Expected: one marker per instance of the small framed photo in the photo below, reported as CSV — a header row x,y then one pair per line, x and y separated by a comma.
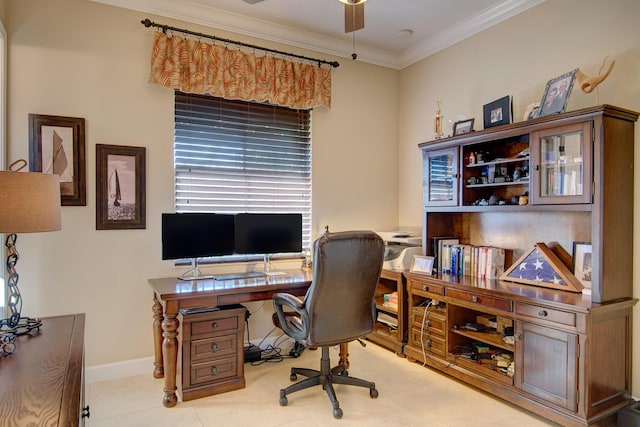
x,y
463,126
57,146
498,112
582,263
556,94
120,187
422,264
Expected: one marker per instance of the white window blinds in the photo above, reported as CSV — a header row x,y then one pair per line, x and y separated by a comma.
x,y
235,156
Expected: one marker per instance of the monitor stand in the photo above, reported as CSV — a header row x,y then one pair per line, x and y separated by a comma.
x,y
194,272
267,268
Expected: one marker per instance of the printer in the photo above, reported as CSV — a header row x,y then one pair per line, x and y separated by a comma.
x,y
399,248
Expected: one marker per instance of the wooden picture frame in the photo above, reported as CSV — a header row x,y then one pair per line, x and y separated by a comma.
x,y
463,126
498,112
582,265
422,265
556,94
541,267
57,145
120,187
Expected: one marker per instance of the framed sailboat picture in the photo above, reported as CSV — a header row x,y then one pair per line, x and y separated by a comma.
x,y
57,146
120,187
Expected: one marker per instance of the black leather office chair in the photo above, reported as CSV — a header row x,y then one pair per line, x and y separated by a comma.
x,y
338,308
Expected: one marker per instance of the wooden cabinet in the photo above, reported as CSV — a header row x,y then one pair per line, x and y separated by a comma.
x,y
43,380
557,179
212,352
391,328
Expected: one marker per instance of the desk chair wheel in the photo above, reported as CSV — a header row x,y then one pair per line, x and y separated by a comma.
x,y
373,393
283,399
337,413
344,373
293,377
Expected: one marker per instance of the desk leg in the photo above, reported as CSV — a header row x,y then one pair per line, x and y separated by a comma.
x,y
344,355
170,354
158,371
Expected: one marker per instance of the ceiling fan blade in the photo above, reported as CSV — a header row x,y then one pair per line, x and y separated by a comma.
x,y
353,17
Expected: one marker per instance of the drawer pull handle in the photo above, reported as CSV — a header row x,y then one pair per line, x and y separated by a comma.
x,y
215,325
428,323
214,370
474,298
214,347
543,313
425,288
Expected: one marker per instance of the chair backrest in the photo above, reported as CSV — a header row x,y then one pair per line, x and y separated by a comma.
x,y
340,301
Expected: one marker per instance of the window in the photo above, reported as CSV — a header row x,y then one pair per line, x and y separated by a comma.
x,y
235,156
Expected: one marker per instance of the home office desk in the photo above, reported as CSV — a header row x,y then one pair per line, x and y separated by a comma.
x,y
170,295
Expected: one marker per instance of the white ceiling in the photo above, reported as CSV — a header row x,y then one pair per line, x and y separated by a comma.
x,y
318,25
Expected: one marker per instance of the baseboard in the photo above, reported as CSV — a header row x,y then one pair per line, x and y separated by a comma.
x,y
123,369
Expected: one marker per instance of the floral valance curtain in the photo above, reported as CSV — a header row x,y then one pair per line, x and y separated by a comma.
x,y
193,66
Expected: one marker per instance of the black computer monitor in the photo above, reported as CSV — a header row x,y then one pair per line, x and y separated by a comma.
x,y
196,235
268,233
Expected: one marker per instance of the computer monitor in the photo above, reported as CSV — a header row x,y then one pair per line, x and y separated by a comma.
x,y
268,233
196,235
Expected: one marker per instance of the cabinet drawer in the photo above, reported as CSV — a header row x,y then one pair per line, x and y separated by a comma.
x,y
500,304
544,313
213,347
432,343
214,370
435,321
432,288
211,326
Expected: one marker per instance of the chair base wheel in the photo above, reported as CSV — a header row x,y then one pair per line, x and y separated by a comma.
x,y
337,413
293,377
283,400
373,393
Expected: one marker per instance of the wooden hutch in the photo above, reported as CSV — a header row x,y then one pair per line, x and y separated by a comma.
x,y
571,352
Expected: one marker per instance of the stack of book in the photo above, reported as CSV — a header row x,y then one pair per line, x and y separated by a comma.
x,y
484,262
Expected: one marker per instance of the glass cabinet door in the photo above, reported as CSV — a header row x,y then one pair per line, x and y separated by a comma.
x,y
440,175
563,165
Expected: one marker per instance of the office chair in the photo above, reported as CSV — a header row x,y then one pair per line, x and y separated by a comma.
x,y
339,307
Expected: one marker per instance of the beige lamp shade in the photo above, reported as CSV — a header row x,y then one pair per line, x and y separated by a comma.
x,y
29,202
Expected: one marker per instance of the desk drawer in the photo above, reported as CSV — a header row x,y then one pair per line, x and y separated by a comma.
x,y
432,343
487,301
214,370
429,287
208,327
544,313
213,347
435,322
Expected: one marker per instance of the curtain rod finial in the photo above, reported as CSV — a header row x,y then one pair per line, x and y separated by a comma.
x,y
146,22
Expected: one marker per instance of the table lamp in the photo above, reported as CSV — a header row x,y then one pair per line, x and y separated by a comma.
x,y
29,203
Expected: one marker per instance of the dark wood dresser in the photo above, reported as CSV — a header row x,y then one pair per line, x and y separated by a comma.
x,y
42,382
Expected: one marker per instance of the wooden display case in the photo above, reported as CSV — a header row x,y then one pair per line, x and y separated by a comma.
x,y
391,334
571,352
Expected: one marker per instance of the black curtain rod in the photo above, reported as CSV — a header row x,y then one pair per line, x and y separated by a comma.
x,y
147,23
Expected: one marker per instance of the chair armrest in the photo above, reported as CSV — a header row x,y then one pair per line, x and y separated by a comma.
x,y
294,303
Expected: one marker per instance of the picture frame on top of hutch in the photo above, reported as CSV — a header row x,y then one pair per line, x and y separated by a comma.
x,y
120,187
556,94
57,145
498,112
463,126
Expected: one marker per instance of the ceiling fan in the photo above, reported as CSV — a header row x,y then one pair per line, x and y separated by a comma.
x,y
353,14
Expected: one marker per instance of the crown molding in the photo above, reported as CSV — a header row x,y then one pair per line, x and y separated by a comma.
x,y
195,13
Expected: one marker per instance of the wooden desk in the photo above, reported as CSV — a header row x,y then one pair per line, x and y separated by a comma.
x,y
171,295
42,381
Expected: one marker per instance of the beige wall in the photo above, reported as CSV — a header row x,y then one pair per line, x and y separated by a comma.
x,y
82,59
517,58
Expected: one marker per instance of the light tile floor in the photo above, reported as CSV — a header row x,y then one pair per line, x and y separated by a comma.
x,y
410,395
